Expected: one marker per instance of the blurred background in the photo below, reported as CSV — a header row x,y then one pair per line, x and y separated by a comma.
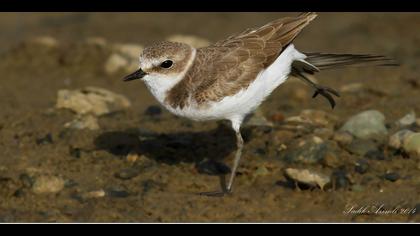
x,y
78,144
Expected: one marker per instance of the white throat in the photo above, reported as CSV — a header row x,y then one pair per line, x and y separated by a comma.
x,y
159,85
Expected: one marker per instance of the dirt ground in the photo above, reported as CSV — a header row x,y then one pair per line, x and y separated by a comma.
x,y
175,158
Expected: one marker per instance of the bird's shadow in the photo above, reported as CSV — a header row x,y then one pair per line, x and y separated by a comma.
x,y
207,148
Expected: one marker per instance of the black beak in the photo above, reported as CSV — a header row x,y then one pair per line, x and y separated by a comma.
x,y
136,75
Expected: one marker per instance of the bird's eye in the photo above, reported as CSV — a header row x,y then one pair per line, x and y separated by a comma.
x,y
166,64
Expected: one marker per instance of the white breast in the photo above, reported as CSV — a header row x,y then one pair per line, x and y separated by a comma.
x,y
237,106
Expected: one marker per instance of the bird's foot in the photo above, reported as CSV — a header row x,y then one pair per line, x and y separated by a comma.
x,y
326,92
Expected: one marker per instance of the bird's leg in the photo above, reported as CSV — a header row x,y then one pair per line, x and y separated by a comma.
x,y
238,154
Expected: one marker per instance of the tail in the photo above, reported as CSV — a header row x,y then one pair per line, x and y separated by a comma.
x,y
324,61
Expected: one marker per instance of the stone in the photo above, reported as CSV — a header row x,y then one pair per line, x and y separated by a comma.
x,y
117,192
48,184
375,155
314,117
307,177
351,88
153,111
392,176
367,125
194,41
324,133
397,140
46,41
128,173
94,194
116,62
96,41
91,100
257,119
407,120
340,179
83,122
331,160
361,147
343,137
412,143
308,151
47,139
361,166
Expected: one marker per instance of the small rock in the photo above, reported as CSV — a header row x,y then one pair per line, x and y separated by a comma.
x,y
92,100
308,151
357,188
307,177
27,181
117,192
392,176
153,111
132,51
261,171
324,133
367,125
352,88
94,194
407,120
361,147
343,137
48,184
331,160
361,166
75,152
194,41
314,117
83,122
128,173
132,157
412,143
375,155
397,140
340,179
117,62
47,41
277,117
47,139
257,119
96,41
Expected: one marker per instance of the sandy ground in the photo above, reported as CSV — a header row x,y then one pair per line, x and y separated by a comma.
x,y
171,161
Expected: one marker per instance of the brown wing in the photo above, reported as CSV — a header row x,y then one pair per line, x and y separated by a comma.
x,y
230,65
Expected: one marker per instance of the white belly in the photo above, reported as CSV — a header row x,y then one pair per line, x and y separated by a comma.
x,y
249,99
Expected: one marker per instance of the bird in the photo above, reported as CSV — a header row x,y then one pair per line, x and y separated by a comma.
x,y
229,79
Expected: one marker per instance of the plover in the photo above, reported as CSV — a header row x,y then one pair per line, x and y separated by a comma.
x,y
232,77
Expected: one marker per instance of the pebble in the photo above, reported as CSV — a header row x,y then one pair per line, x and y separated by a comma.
x,y
115,63
277,117
361,166
75,152
83,122
132,157
117,192
153,111
93,100
307,177
343,137
211,167
307,151
314,117
46,41
96,41
47,139
367,125
257,119
47,184
128,173
352,88
261,171
340,179
361,147
407,120
375,155
27,181
94,194
331,160
194,41
392,176
397,140
324,133
412,143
